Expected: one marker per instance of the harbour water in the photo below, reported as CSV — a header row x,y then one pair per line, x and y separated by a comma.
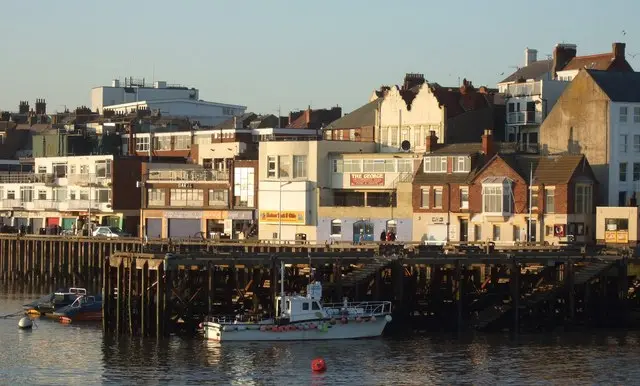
x,y
77,354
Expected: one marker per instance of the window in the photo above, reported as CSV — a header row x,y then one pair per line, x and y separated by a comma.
x,y
11,194
60,194
162,143
623,143
284,169
42,194
84,169
381,199
42,169
548,230
26,193
84,195
384,135
60,170
182,142
155,197
394,136
103,169
496,233
104,195
218,197
271,167
377,166
636,143
244,187
405,166
622,198
186,197
534,197
437,197
516,233
462,164
1,192
616,224
424,202
72,168
623,114
142,143
550,200
497,198
636,171
299,166
477,229
352,166
336,227
305,306
623,171
584,198
315,306
464,198
72,195
435,164
636,115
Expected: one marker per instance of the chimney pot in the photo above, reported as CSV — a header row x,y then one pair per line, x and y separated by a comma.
x,y
488,145
530,56
618,50
431,141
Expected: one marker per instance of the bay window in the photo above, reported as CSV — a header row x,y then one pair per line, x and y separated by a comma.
x,y
497,196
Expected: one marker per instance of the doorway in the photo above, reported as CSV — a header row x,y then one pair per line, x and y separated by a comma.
x,y
464,230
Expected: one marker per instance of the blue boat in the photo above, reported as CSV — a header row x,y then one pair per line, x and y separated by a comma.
x,y
84,308
54,301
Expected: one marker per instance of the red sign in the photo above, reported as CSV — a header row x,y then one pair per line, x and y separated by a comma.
x,y
367,179
559,230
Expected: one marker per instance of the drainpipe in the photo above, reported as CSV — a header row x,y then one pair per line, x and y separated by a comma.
x,y
448,185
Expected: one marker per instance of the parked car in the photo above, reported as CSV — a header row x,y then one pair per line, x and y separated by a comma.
x,y
105,231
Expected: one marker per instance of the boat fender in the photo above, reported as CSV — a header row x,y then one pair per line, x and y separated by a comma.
x,y
305,326
388,318
263,328
359,319
373,319
344,321
274,329
25,323
332,321
312,326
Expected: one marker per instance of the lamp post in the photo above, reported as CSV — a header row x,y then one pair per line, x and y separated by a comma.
x,y
280,212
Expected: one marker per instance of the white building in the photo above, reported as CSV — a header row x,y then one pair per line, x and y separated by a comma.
x,y
61,191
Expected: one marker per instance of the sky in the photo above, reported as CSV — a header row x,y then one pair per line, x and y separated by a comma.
x,y
285,54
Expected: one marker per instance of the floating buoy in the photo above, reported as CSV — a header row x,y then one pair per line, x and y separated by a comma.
x,y
263,328
305,327
65,320
332,321
388,318
32,312
312,326
274,329
25,323
318,365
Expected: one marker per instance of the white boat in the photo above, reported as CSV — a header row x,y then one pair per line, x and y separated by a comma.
x,y
306,318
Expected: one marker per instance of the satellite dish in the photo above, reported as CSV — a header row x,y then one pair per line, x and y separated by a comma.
x,y
405,145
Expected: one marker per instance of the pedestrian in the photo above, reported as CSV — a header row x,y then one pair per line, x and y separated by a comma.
x,y
383,236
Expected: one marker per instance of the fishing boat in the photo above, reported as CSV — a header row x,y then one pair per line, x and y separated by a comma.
x,y
84,308
54,301
305,318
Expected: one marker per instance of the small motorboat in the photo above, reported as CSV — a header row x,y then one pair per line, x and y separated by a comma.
x,y
84,308
53,301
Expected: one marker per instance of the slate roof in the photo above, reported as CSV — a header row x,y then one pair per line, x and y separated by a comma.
x,y
422,178
457,103
363,116
548,170
229,123
595,62
535,70
619,86
471,148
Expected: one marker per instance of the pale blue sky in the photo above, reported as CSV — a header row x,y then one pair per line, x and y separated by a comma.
x,y
270,53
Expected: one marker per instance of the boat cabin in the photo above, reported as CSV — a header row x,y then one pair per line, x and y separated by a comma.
x,y
300,308
68,296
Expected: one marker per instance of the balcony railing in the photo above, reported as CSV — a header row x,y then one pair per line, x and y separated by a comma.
x,y
11,203
26,178
88,179
47,204
533,148
188,175
524,89
524,118
83,204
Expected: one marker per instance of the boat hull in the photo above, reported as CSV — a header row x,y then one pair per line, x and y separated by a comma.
x,y
324,331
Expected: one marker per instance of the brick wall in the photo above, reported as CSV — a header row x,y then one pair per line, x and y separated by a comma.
x,y
125,173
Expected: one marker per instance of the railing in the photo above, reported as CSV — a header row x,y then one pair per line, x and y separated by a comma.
x,y
276,137
26,178
358,308
11,203
524,118
83,204
46,204
87,179
524,89
533,148
188,175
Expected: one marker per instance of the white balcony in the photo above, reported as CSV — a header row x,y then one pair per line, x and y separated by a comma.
x,y
11,204
83,205
524,89
524,118
26,178
188,175
88,180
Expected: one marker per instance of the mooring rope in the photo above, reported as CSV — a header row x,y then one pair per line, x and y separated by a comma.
x,y
11,315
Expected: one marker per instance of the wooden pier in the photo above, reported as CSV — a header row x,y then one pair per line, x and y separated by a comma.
x,y
161,287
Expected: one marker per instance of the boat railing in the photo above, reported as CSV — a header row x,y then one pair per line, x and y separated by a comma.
x,y
358,308
230,319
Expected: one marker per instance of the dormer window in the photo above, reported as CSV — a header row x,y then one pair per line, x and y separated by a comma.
x,y
461,164
435,164
497,196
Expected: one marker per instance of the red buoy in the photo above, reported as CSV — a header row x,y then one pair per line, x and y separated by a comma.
x,y
318,365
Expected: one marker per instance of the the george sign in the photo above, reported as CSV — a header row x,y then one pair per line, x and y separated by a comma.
x,y
240,215
367,179
286,217
182,214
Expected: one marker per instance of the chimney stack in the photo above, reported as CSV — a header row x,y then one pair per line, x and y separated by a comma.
x,y
488,146
618,50
431,142
411,80
530,56
562,55
41,107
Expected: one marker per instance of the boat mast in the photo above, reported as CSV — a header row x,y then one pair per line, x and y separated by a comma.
x,y
281,288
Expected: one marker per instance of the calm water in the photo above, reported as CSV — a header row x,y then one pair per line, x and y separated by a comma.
x,y
55,354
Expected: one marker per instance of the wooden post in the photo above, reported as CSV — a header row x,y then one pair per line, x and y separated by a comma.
x,y
337,275
168,290
144,299
119,310
459,293
132,275
210,287
274,285
107,293
160,301
515,295
569,281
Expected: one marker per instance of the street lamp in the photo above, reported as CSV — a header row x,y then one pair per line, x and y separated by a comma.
x,y
280,212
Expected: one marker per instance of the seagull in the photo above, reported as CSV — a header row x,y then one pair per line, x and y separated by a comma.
x,y
624,32
633,55
502,73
